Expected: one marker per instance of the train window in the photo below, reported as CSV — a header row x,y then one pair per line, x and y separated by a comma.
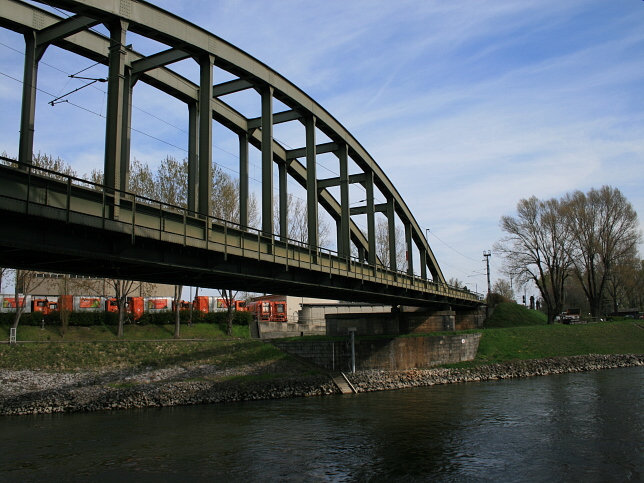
x,y
279,308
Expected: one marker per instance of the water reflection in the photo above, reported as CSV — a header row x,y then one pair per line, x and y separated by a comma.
x,y
557,428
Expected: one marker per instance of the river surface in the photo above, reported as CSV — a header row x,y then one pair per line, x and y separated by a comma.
x,y
573,427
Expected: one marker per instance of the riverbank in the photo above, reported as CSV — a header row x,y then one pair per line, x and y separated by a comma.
x,y
36,392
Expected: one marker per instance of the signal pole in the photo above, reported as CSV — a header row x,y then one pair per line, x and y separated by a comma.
x,y
487,255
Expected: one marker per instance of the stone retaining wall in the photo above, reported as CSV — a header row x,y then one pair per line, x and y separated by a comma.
x,y
388,353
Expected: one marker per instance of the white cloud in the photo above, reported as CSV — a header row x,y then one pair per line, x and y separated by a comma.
x,y
467,106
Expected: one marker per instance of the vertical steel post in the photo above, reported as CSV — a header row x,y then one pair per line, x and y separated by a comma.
x,y
352,331
115,104
33,54
283,200
311,184
129,82
344,241
391,223
206,62
193,156
371,219
410,251
423,263
267,160
243,180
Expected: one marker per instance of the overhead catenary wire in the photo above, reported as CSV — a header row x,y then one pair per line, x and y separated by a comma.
x,y
58,99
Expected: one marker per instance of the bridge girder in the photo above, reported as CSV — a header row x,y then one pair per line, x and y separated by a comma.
x,y
186,39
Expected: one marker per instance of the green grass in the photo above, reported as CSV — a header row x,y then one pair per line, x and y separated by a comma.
x,y
539,341
130,332
509,314
91,355
98,347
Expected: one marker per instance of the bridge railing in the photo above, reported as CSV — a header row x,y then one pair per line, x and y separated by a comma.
x,y
141,216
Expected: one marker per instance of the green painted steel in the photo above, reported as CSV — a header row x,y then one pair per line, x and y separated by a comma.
x,y
186,40
154,241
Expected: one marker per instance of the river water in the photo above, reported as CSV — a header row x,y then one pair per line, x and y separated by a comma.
x,y
585,427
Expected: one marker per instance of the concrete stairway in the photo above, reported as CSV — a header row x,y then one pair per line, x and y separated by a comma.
x,y
342,382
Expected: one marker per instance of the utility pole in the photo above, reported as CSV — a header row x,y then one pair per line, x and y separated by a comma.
x,y
487,255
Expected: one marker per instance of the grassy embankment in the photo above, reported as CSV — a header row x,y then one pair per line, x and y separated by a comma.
x,y
518,333
143,346
514,332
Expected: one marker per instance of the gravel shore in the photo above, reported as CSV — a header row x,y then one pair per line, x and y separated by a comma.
x,y
33,392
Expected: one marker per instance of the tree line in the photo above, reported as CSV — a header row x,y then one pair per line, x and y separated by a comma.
x,y
590,238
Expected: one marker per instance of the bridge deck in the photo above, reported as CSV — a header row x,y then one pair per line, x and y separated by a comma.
x,y
87,230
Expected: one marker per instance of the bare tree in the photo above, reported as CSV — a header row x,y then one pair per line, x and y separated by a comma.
x,y
382,245
58,165
4,272
26,282
537,248
298,229
455,282
142,180
122,290
177,312
604,229
229,299
171,182
503,288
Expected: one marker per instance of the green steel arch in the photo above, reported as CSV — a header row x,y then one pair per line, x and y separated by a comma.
x,y
187,40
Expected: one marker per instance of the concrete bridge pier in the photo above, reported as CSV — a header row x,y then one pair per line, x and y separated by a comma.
x,y
407,320
447,318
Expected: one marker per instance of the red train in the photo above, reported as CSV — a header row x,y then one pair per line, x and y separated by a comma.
x,y
262,309
267,310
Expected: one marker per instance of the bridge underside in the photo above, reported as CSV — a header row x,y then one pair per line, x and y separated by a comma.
x,y
71,226
41,244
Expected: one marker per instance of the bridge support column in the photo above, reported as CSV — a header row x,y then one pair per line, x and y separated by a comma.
x,y
243,180
193,156
267,160
206,63
344,239
371,218
410,249
129,81
423,263
283,195
33,54
311,184
115,115
391,222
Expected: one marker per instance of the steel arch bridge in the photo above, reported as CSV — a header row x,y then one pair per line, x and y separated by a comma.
x,y
125,235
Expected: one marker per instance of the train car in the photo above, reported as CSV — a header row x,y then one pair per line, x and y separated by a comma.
x,y
158,304
81,303
202,304
134,306
265,310
207,303
8,303
44,305
183,305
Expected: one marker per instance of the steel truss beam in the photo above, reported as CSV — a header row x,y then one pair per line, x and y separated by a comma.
x,y
180,35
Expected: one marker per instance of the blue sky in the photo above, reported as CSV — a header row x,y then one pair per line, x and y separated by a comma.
x,y
468,106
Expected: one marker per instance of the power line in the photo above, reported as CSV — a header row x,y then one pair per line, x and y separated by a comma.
x,y
450,247
57,100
